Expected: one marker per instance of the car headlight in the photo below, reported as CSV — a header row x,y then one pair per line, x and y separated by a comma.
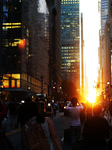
x,y
64,107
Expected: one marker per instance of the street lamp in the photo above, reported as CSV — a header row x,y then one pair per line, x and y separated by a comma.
x,y
108,83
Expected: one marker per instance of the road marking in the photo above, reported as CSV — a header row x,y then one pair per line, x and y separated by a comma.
x,y
10,133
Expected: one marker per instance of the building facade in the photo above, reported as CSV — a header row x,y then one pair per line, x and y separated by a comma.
x,y
57,55
30,47
110,42
106,57
70,25
54,46
24,69
82,57
106,48
104,15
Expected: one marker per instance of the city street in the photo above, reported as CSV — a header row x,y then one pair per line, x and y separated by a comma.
x,y
60,121
53,52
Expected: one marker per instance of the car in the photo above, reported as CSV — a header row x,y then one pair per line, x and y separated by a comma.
x,y
61,106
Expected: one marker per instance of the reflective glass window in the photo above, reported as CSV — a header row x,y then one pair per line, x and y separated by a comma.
x,y
18,83
5,9
6,83
12,83
5,17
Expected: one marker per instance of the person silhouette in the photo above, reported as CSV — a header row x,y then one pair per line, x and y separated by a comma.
x,y
74,107
5,143
96,130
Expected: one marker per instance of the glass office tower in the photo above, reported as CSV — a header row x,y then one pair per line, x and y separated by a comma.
x,y
70,41
104,15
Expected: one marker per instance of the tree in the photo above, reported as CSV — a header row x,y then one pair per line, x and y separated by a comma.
x,y
69,89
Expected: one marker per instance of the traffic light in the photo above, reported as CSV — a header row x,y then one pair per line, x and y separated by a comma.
x,y
22,44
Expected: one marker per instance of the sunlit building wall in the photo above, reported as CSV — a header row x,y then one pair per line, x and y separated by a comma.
x,y
22,68
101,87
106,58
70,41
82,57
104,17
110,36
103,41
100,55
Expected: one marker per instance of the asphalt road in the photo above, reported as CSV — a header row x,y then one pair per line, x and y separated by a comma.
x,y
60,122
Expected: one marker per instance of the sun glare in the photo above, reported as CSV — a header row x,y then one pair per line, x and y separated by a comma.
x,y
91,21
91,93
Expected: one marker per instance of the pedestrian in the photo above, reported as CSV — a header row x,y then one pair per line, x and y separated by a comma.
x,y
75,109
13,111
25,112
54,106
4,122
49,110
6,105
5,143
110,113
52,135
83,114
29,114
96,131
3,112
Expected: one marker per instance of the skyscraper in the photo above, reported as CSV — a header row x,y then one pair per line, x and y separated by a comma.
x,y
110,39
54,45
104,15
30,47
103,45
82,56
22,68
70,20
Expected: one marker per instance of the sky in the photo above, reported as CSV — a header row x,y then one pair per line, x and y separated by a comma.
x,y
91,31
91,39
42,6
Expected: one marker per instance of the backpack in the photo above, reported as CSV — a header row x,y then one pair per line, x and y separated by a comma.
x,y
33,137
